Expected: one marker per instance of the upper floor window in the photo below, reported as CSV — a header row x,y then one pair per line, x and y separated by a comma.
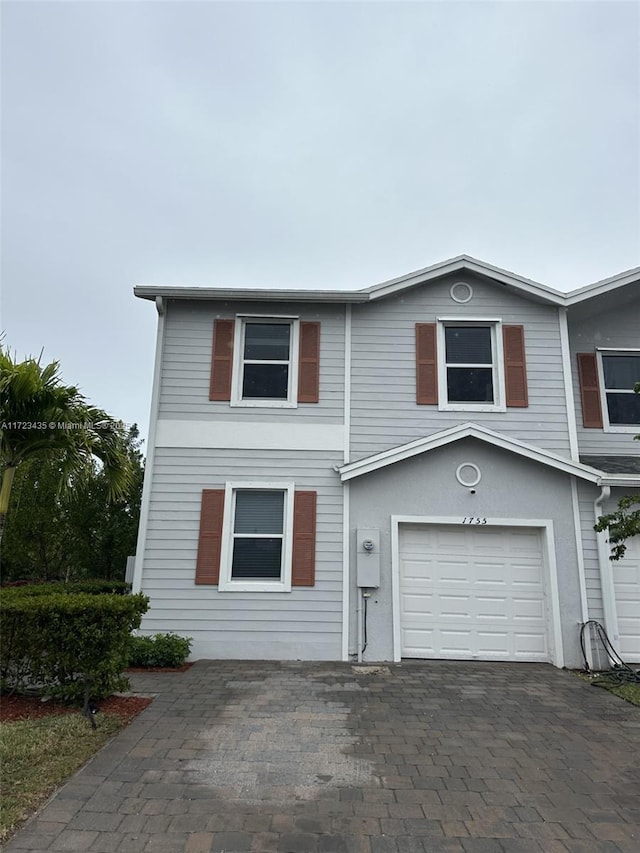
x,y
266,369
470,359
620,373
265,361
474,364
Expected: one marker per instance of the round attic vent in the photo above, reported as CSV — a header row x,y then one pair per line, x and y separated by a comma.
x,y
461,292
468,474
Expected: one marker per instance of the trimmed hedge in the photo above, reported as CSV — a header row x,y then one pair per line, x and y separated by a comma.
x,y
91,587
159,650
62,642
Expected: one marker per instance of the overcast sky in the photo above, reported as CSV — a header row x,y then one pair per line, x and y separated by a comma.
x,y
330,145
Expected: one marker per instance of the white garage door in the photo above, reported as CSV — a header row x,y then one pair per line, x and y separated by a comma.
x,y
626,580
472,592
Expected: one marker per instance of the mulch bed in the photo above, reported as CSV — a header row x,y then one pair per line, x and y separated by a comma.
x,y
31,707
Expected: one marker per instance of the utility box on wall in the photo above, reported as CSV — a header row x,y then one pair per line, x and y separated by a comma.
x,y
368,557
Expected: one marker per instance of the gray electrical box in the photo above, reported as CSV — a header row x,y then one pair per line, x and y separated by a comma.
x,y
368,557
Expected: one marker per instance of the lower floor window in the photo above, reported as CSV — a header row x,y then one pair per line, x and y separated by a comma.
x,y
258,534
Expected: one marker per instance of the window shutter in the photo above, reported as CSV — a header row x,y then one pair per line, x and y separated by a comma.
x,y
515,366
426,364
589,390
309,363
222,360
304,539
210,538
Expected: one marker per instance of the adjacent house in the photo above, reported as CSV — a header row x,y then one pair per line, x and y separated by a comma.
x,y
412,470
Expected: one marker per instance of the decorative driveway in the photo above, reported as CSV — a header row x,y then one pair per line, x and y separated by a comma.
x,y
427,756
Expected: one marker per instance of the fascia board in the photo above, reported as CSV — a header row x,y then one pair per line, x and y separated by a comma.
x,y
147,291
606,285
414,448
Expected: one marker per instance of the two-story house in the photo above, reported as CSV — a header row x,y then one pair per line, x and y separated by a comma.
x,y
410,470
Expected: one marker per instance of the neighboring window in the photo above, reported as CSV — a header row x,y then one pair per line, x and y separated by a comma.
x,y
469,371
620,372
266,362
256,551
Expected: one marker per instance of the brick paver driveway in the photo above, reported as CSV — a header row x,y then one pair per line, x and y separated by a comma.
x,y
318,758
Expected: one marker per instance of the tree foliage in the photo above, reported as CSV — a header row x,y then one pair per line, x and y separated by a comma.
x,y
76,532
625,521
40,417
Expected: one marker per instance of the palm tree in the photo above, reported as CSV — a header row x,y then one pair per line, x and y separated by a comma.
x,y
41,415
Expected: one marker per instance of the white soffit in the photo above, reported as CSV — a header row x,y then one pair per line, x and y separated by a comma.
x,y
468,430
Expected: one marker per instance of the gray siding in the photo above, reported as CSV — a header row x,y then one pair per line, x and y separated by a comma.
x,y
305,623
619,328
426,486
384,412
186,363
587,493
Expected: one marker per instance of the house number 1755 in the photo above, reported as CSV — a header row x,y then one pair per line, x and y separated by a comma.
x,y
474,519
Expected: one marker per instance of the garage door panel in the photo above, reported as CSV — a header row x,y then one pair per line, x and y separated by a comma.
x,y
482,596
626,579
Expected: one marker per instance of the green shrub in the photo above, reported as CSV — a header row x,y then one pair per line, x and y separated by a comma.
x,y
59,641
159,650
91,587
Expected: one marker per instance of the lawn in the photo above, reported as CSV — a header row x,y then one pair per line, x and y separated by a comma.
x,y
629,691
38,753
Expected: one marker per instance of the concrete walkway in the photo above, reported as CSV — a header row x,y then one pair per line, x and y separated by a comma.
x,y
234,757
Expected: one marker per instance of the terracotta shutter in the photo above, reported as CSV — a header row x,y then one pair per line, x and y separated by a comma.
x,y
589,390
515,366
210,539
304,539
222,360
309,363
426,364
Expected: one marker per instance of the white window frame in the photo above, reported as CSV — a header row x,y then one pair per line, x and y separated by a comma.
x,y
226,582
497,366
238,362
606,425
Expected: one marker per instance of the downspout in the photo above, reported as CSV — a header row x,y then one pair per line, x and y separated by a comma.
x,y
151,450
606,574
346,513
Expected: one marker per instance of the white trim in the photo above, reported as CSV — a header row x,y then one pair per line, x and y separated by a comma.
x,y
347,384
478,474
145,502
238,361
226,584
452,292
628,480
346,575
567,375
249,435
468,430
582,580
606,425
554,636
497,365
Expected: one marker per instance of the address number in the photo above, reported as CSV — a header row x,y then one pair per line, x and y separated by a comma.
x,y
474,519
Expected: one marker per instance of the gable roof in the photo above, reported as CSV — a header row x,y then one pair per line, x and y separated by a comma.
x,y
461,263
605,285
468,430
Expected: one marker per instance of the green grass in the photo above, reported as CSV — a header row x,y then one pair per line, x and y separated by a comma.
x,y
36,756
630,692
